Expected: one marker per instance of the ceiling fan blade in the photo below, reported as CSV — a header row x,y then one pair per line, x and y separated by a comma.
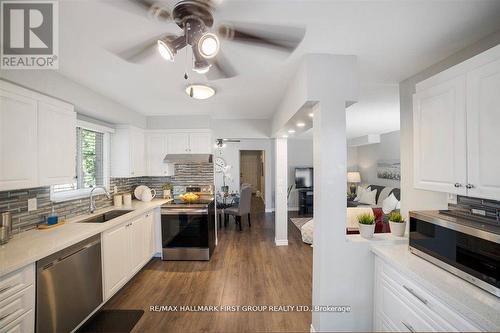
x,y
285,38
221,68
154,9
140,52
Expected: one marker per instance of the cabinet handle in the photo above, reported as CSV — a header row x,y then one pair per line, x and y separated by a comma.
x,y
408,326
458,185
469,186
417,296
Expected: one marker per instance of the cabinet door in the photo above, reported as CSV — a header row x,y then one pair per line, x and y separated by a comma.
x,y
200,143
137,243
156,151
116,259
439,133
483,131
137,154
18,142
178,143
56,128
149,237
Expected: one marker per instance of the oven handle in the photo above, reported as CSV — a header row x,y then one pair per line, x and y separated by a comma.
x,y
184,212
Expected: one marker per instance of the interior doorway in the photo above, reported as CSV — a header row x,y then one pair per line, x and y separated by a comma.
x,y
252,171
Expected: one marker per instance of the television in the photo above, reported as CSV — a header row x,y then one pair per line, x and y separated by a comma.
x,y
304,178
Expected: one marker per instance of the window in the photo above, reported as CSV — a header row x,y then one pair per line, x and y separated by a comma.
x,y
92,167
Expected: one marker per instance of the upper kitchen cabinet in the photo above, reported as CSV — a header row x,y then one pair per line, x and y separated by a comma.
x,y
190,143
483,131
440,160
456,129
18,141
31,125
128,158
156,149
57,128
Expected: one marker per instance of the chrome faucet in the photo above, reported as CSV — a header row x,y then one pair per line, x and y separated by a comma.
x,y
92,202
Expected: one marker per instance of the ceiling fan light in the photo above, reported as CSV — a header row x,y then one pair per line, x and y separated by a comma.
x,y
202,70
208,45
165,50
199,91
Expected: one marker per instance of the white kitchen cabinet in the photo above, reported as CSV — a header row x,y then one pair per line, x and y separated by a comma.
x,y
456,129
128,158
178,143
190,143
18,141
200,143
402,305
126,249
115,258
483,131
17,300
440,137
56,144
156,150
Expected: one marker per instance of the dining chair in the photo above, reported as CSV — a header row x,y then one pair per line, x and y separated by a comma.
x,y
243,207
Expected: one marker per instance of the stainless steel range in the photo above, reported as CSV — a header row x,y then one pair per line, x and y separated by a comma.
x,y
188,229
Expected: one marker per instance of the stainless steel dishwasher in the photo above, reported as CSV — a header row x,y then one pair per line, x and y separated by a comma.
x,y
68,286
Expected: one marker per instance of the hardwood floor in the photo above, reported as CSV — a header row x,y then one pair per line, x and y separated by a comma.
x,y
246,269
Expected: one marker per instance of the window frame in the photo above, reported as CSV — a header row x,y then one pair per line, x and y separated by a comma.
x,y
85,192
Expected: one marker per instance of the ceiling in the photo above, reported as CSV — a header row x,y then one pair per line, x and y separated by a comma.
x,y
392,39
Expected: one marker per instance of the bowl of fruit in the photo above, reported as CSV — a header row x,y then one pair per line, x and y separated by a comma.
x,y
189,197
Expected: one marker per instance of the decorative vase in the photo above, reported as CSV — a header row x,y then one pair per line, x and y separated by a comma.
x,y
366,230
398,228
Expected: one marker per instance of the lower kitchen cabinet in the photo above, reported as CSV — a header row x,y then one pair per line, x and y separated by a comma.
x,y
17,301
125,249
400,305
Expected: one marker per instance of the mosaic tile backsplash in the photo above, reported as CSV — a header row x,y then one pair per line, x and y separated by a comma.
x,y
16,201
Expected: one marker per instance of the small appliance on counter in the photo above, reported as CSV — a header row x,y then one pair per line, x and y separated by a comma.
x,y
467,247
5,227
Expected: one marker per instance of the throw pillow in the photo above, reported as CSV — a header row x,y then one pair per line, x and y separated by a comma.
x,y
368,197
398,206
389,204
359,191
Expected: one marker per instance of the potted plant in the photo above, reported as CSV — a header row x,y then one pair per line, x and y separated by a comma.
x,y
366,224
397,224
167,191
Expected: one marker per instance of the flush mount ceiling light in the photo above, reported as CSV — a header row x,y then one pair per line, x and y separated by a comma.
x,y
208,45
301,124
199,91
291,131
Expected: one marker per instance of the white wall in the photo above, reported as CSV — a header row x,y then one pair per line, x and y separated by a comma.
x,y
178,122
241,128
352,158
411,198
300,154
231,154
369,155
86,101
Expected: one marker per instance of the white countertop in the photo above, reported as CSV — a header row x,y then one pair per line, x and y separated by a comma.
x,y
472,302
28,247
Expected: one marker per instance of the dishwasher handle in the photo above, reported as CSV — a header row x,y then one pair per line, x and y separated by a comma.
x,y
66,256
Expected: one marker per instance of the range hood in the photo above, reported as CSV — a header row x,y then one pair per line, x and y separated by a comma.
x,y
186,158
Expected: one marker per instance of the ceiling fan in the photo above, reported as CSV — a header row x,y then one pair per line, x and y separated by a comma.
x,y
195,18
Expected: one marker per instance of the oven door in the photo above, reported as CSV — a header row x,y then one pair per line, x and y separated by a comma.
x,y
184,234
472,257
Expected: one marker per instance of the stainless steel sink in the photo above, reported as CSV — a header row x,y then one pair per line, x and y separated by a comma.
x,y
105,217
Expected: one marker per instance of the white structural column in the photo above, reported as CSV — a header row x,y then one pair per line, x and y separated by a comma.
x,y
281,179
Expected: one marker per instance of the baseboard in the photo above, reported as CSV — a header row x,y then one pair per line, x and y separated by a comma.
x,y
281,242
312,330
269,210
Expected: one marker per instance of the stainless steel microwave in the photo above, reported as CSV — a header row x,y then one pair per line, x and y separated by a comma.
x,y
467,248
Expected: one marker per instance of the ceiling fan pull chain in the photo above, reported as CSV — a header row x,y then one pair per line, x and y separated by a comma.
x,y
186,28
